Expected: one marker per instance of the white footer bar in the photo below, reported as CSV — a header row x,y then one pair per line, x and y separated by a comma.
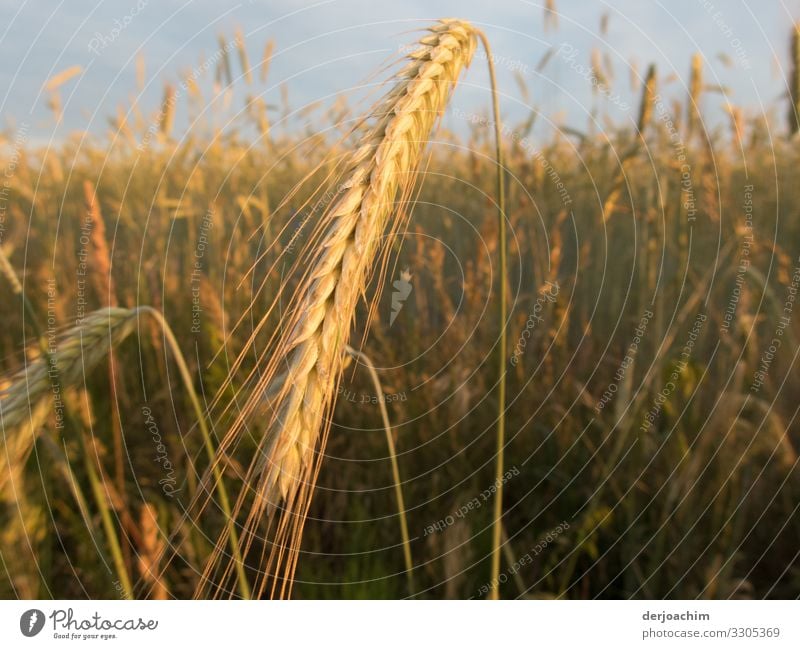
x,y
405,625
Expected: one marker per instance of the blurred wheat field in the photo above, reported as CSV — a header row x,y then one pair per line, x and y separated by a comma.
x,y
651,398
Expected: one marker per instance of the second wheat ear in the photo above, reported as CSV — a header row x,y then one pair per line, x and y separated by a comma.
x,y
382,174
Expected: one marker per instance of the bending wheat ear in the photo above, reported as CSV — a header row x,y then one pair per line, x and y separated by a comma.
x,y
74,353
61,364
381,175
64,362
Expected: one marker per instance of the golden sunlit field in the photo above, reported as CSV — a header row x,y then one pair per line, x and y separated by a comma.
x,y
255,349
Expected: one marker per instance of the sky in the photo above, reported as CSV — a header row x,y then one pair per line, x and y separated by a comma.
x,y
330,48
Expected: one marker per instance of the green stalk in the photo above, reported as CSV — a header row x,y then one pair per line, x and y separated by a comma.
x,y
105,516
497,530
398,489
233,538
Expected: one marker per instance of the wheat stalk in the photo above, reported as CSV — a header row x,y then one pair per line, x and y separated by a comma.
x,y
381,173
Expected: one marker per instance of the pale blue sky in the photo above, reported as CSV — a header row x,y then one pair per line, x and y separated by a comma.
x,y
332,46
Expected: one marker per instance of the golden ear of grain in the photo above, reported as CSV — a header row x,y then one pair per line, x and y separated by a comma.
x,y
381,173
224,66
62,77
266,60
550,15
597,70
55,106
604,24
648,99
633,71
695,90
736,122
244,60
101,255
167,115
